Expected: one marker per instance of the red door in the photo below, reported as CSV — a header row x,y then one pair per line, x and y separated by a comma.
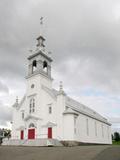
x,y
31,133
22,134
49,132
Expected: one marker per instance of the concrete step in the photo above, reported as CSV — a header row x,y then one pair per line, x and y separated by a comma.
x,y
34,142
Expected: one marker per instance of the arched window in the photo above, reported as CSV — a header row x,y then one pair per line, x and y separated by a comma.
x,y
31,125
87,127
102,127
45,66
32,106
34,66
95,128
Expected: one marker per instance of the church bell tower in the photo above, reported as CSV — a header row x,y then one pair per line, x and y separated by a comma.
x,y
40,61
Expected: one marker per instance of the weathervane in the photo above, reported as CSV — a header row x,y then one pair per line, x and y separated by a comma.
x,y
41,25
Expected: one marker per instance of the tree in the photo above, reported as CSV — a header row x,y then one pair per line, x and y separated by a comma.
x,y
116,136
7,133
4,133
112,137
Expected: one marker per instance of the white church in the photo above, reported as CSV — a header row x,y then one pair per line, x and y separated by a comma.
x,y
46,116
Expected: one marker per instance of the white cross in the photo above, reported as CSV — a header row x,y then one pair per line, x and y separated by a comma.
x,y
41,20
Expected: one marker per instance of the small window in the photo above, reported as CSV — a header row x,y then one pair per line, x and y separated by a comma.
x,y
22,115
102,130
95,128
32,86
108,132
75,122
50,109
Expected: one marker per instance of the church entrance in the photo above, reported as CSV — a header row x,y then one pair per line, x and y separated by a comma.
x,y
31,133
22,134
50,132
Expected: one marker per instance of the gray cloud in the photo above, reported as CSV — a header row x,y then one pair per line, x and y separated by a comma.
x,y
5,114
3,88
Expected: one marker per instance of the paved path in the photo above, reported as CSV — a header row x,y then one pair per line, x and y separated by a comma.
x,y
60,153
112,153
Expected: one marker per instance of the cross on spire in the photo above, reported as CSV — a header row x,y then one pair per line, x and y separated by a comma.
x,y
41,20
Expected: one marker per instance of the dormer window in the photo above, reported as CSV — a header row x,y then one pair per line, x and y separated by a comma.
x,y
34,66
45,66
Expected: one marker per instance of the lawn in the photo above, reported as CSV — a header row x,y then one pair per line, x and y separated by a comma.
x,y
116,142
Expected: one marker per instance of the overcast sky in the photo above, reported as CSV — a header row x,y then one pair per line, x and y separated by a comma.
x,y
84,38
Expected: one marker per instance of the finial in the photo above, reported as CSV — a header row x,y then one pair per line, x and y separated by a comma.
x,y
17,99
61,86
61,91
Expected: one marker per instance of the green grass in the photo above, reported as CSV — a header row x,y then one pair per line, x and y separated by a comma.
x,y
116,143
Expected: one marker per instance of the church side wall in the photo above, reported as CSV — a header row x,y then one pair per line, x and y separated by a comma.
x,y
89,130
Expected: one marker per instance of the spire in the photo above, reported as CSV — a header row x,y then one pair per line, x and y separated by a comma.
x,y
41,39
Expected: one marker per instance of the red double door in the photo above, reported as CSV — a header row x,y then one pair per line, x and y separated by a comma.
x,y
22,134
31,133
49,132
